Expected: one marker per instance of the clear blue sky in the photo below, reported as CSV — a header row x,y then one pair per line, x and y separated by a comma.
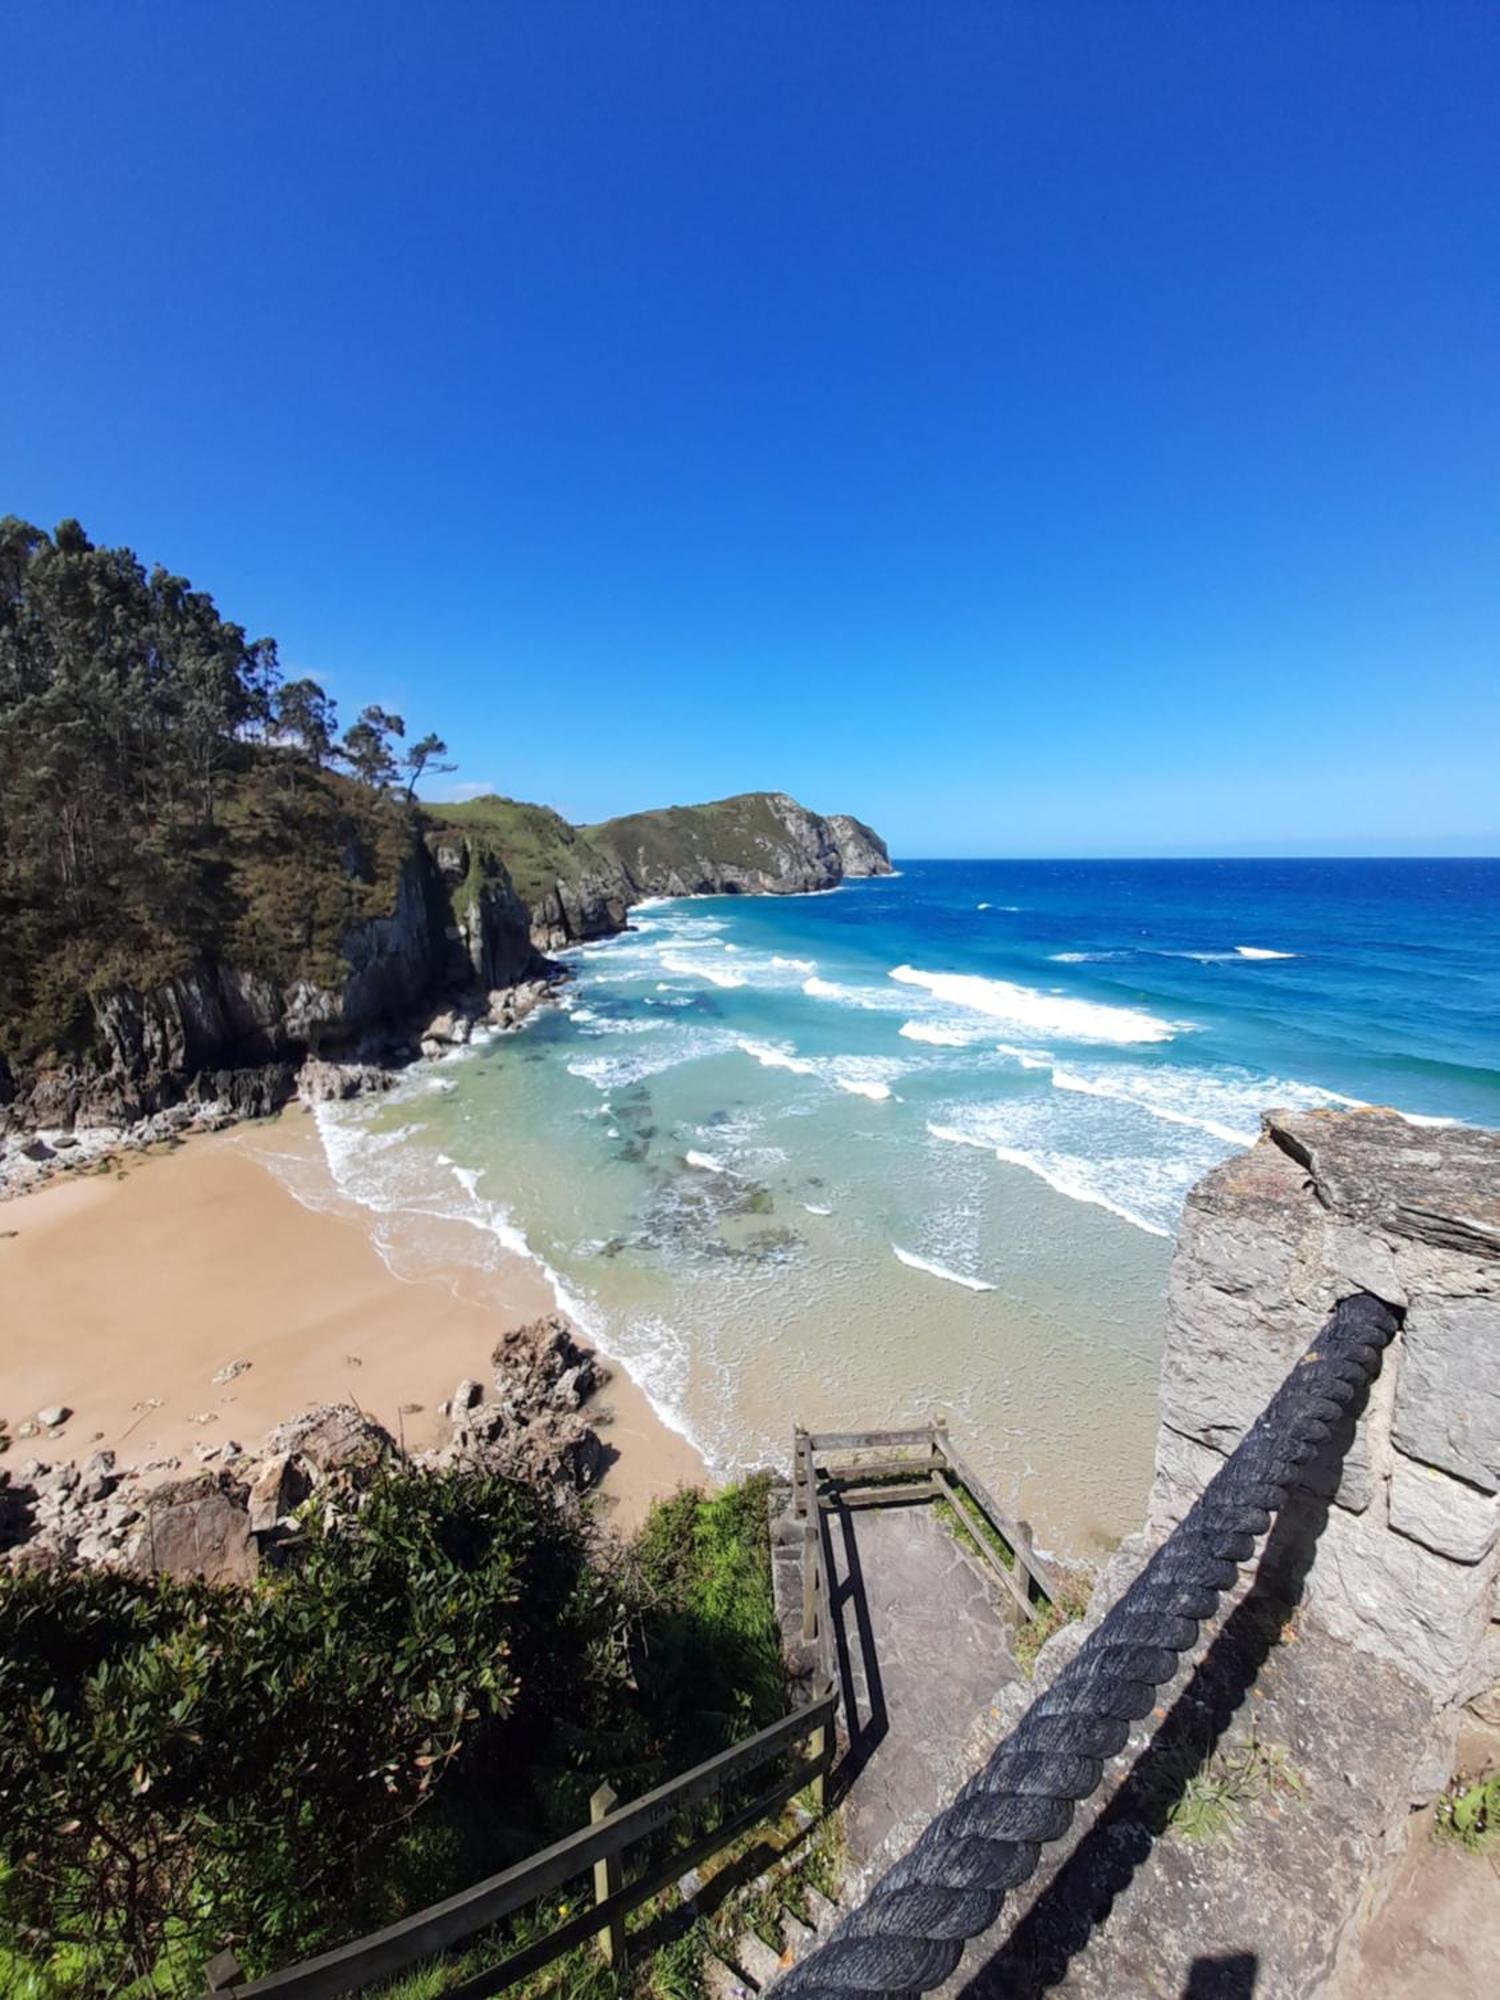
x,y
1038,428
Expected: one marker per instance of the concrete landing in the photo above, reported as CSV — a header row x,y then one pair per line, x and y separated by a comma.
x,y
922,1646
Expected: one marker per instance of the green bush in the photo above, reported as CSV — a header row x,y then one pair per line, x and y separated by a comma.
x,y
430,1689
183,1767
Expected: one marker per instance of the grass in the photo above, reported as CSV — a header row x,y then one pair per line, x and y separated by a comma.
x,y
1069,1602
970,1527
1217,1795
1469,1814
537,846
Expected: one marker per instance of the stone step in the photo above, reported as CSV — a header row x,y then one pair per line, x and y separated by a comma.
x,y
797,1936
824,1915
722,1982
753,1955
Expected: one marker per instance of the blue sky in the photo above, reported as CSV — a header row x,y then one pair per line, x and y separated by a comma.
x,y
1065,428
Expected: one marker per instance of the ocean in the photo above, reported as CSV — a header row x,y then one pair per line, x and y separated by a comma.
x,y
918,1145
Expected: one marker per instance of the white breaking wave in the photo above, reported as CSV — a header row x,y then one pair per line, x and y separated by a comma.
x,y
1259,951
650,1058
864,1086
1027,1058
865,1076
794,964
933,1270
705,1161
700,968
1063,1175
1039,1013
938,1035
825,989
1121,1091
770,1057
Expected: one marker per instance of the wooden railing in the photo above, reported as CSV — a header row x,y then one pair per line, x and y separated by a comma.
x,y
600,1847
896,1468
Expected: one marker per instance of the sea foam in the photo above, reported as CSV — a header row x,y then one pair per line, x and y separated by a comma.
x,y
935,1270
770,1057
939,1035
1024,1008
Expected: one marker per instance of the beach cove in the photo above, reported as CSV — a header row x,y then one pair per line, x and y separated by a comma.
x,y
125,1295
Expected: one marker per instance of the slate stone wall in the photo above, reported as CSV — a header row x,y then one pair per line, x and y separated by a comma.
x,y
1406,1561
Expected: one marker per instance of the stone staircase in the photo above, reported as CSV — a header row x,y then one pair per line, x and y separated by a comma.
x,y
803,1920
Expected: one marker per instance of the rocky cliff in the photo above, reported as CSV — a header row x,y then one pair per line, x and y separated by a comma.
x,y
580,882
337,948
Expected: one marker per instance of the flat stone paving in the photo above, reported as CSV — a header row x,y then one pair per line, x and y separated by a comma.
x,y
923,1651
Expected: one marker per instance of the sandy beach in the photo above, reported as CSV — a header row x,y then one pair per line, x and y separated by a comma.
x,y
122,1297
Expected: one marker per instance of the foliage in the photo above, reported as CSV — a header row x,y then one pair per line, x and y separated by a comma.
x,y
429,1689
1069,1601
713,1645
1469,1813
1215,1795
183,1766
164,795
366,748
428,753
970,1527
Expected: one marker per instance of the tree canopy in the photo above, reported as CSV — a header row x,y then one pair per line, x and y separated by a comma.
x,y
162,787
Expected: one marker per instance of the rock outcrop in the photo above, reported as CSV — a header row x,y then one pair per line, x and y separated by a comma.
x,y
860,847
481,893
580,882
531,1426
530,1423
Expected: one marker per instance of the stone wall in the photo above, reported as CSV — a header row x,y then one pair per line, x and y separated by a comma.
x,y
1407,1555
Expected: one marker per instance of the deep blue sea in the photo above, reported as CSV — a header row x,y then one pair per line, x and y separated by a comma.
x,y
920,1144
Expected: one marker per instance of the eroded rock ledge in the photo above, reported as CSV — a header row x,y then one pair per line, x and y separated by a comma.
x,y
225,1519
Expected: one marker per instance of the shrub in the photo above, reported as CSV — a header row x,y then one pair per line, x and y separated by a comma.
x,y
183,1766
429,1690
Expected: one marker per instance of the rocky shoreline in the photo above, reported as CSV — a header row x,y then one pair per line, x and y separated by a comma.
x,y
462,950
216,1100
229,1517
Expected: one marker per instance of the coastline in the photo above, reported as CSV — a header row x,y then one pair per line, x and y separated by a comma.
x,y
135,1289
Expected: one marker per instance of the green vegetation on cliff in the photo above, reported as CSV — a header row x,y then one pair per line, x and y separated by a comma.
x,y
164,797
537,846
745,832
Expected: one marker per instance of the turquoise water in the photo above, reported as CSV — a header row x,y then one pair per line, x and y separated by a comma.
x,y
919,1145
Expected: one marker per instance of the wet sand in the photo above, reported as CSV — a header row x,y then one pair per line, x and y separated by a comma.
x,y
120,1293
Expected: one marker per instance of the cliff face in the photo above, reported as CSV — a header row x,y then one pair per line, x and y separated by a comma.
x,y
457,902
862,850
232,1035
579,882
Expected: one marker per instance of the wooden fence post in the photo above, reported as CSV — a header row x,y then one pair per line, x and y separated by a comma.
x,y
809,1581
818,1743
607,1881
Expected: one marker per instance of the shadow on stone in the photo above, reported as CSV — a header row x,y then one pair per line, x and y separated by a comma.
x,y
1228,1978
1077,1900
858,1659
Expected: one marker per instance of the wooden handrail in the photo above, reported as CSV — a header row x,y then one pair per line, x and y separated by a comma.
x,y
943,1472
1010,1532
442,1925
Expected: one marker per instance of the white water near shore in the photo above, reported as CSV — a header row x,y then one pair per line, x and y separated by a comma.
x,y
777,1168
